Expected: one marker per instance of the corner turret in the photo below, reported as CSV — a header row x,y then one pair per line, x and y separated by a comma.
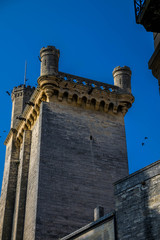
x,y
122,78
49,60
20,95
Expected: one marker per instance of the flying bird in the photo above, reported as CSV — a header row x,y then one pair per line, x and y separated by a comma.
x,y
8,93
145,138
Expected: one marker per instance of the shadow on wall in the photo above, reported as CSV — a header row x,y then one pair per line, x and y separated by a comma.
x,y
138,205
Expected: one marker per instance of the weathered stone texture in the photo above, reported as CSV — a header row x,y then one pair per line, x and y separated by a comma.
x,y
5,186
104,231
49,60
20,203
8,190
20,95
101,229
156,39
31,203
68,164
138,205
82,154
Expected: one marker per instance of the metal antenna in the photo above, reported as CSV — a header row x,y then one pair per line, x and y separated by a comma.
x,y
25,73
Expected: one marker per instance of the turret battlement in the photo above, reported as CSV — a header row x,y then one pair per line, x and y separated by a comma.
x,y
93,94
20,95
86,92
22,90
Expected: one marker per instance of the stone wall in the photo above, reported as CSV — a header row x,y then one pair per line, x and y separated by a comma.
x,y
32,189
138,205
156,39
21,191
101,229
20,95
82,153
5,186
8,191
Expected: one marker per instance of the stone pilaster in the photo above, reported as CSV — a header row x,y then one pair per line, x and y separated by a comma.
x,y
21,192
8,192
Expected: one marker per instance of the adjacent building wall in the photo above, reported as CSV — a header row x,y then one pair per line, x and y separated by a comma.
x,y
156,39
138,205
101,229
154,62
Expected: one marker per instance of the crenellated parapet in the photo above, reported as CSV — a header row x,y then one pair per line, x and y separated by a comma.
x,y
86,93
22,90
20,95
82,91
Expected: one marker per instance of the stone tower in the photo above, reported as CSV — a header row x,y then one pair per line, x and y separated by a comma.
x,y
20,95
64,155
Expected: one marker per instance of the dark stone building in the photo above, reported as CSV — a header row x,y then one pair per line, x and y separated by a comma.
x,y
65,150
66,154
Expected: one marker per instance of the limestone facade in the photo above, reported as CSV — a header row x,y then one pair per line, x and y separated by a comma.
x,y
64,152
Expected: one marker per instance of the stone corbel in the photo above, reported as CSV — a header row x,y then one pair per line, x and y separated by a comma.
x,y
124,110
20,137
69,98
79,101
115,109
31,119
34,114
97,106
25,127
37,109
60,96
106,107
28,124
88,103
49,93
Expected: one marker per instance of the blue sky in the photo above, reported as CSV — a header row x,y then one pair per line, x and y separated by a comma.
x,y
93,38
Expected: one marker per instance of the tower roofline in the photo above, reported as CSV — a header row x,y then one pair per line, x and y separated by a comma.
x,y
97,96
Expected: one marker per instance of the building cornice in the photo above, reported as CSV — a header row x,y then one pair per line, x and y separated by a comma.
x,y
76,91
